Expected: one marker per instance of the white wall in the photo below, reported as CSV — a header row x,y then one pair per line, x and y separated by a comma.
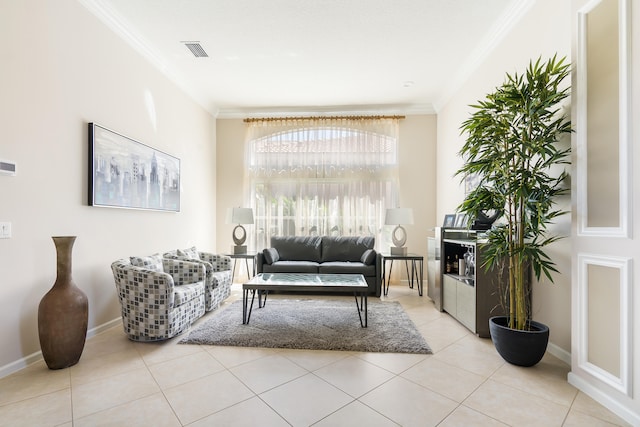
x,y
543,31
62,68
417,154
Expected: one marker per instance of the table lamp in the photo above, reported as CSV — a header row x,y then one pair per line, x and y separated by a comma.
x,y
398,217
240,216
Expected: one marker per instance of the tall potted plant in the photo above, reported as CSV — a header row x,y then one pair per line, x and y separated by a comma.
x,y
512,148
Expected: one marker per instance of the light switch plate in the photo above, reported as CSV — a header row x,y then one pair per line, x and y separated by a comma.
x,y
5,230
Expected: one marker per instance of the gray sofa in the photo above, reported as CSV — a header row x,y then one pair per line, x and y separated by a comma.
x,y
323,255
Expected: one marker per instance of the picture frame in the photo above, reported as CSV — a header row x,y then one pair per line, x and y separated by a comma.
x,y
125,173
461,220
449,220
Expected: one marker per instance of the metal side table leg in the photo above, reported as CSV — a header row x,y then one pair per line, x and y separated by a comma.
x,y
406,265
421,278
386,291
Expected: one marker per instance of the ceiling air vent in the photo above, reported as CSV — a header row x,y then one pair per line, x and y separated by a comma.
x,y
196,49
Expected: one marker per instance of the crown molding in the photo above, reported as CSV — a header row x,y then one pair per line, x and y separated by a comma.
x,y
119,25
503,26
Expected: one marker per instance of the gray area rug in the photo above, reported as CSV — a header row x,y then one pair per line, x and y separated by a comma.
x,y
313,324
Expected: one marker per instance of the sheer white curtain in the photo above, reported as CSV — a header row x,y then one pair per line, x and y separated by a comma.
x,y
321,176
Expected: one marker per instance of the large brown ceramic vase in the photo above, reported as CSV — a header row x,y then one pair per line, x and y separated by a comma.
x,y
63,313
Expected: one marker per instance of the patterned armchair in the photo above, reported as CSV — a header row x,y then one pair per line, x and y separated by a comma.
x,y
218,273
160,298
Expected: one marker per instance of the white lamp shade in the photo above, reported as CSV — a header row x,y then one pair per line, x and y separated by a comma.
x,y
399,216
242,216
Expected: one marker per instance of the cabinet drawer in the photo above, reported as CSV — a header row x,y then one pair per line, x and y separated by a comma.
x,y
449,292
466,305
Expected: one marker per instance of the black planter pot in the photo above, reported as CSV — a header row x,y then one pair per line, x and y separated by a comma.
x,y
522,348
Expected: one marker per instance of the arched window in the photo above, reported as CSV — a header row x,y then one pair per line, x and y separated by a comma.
x,y
321,176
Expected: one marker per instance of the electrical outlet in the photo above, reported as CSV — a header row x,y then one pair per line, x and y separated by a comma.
x,y
5,230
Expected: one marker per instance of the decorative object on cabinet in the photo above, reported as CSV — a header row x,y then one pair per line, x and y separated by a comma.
x,y
399,217
63,313
240,216
461,220
485,220
124,173
449,220
512,145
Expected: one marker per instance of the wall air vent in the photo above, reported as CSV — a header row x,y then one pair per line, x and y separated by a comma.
x,y
196,49
7,168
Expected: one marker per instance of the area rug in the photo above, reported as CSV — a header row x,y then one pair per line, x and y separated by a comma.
x,y
314,324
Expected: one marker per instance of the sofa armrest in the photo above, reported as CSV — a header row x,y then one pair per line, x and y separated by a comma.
x,y
184,272
218,262
145,287
378,274
259,262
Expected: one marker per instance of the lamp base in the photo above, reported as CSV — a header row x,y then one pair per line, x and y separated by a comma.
x,y
240,249
398,250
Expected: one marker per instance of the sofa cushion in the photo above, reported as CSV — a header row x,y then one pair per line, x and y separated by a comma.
x,y
291,267
368,257
341,267
345,248
297,248
271,255
189,253
185,293
152,262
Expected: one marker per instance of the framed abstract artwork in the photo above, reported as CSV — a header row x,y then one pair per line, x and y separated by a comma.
x,y
124,173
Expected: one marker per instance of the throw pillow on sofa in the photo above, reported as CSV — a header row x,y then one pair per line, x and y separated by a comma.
x,y
153,262
190,253
271,255
368,257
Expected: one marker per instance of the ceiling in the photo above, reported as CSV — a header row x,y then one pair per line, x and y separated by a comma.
x,y
314,56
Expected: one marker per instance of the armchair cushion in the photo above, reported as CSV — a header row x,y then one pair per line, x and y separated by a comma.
x,y
152,262
185,293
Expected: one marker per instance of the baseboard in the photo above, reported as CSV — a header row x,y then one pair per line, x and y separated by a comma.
x,y
604,399
101,328
560,353
37,356
20,364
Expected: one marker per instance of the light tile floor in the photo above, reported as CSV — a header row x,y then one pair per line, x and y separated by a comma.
x,y
464,383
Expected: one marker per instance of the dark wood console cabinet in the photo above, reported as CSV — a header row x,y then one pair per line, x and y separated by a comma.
x,y
469,296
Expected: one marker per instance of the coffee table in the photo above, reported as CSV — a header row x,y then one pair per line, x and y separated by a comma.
x,y
321,283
